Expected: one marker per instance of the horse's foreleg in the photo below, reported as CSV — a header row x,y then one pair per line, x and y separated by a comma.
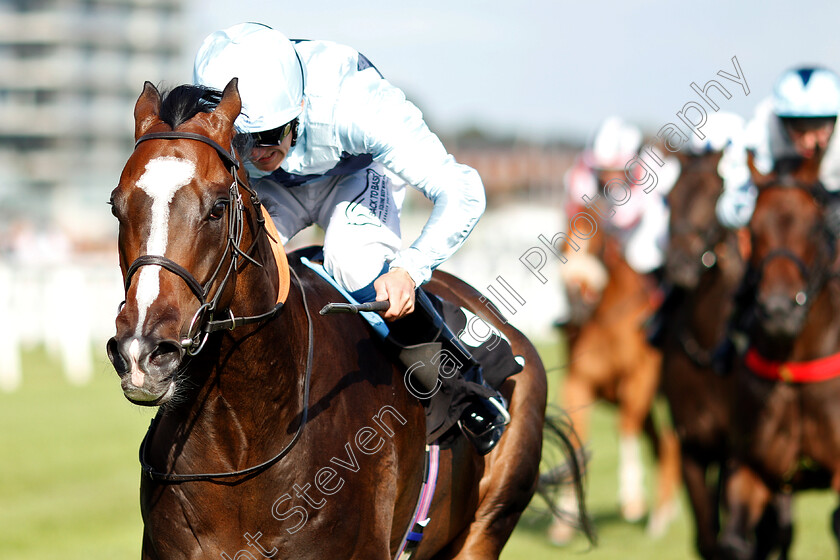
x,y
835,516
775,529
747,497
631,477
703,504
835,525
635,397
668,460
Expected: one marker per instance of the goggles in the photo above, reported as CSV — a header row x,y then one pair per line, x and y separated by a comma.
x,y
274,136
807,124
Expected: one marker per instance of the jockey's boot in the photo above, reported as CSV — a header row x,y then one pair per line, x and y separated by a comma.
x,y
484,419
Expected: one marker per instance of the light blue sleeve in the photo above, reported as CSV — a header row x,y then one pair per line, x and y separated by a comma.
x,y
736,204
375,118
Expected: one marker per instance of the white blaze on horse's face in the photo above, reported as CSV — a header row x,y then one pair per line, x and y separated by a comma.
x,y
161,180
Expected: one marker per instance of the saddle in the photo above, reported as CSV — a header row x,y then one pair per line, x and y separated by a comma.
x,y
448,393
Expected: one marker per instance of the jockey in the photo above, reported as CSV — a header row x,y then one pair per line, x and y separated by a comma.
x,y
797,121
640,224
334,143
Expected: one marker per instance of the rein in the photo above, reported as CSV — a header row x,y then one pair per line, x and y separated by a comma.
x,y
816,278
159,476
709,238
203,323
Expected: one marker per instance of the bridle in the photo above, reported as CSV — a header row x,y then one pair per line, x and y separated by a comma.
x,y
814,276
203,322
709,238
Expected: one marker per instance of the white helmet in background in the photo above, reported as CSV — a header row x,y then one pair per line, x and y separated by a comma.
x,y
268,67
615,144
807,92
721,130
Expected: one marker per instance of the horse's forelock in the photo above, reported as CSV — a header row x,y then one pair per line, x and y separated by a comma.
x,y
186,101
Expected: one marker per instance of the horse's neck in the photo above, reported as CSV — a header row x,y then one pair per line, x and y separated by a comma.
x,y
710,303
820,336
710,306
627,297
250,382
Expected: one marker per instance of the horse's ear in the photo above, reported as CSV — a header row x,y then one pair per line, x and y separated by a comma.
x,y
231,104
146,110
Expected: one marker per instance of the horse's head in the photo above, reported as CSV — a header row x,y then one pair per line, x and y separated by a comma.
x,y
791,251
180,225
694,229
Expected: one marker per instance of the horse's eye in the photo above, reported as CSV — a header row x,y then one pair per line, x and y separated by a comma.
x,y
219,209
113,207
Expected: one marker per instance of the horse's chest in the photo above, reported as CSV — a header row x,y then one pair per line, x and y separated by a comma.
x,y
792,426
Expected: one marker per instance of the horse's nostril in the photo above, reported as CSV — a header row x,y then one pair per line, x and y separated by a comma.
x,y
165,353
116,357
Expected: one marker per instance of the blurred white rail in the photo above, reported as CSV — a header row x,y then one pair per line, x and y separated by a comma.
x,y
66,307
70,306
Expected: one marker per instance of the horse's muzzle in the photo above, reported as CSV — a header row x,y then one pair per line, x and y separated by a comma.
x,y
146,368
685,269
781,317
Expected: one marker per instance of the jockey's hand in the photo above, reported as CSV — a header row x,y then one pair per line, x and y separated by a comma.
x,y
397,286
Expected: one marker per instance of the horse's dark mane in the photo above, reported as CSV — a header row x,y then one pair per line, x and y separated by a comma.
x,y
186,101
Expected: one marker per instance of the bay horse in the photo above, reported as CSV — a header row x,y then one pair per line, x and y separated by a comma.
x,y
611,359
786,422
280,432
704,266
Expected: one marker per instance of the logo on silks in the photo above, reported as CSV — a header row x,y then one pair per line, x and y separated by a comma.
x,y
371,207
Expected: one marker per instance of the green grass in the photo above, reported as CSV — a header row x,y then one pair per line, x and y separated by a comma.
x,y
69,480
619,539
68,458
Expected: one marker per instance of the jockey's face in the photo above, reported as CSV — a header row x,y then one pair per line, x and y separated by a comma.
x,y
607,175
809,135
269,158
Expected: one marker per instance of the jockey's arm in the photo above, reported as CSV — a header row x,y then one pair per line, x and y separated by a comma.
x,y
393,131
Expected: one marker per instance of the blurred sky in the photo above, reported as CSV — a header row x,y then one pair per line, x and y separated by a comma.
x,y
539,69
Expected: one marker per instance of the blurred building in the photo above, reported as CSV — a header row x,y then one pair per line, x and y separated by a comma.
x,y
71,72
523,171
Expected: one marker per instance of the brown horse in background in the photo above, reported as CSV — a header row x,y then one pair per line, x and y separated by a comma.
x,y
704,265
281,432
610,359
786,426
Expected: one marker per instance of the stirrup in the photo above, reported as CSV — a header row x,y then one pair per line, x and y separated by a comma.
x,y
483,423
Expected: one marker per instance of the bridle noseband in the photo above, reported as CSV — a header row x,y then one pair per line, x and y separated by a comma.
x,y
203,323
814,276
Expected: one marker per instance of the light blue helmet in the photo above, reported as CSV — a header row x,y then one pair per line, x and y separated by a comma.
x,y
615,144
270,73
807,92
